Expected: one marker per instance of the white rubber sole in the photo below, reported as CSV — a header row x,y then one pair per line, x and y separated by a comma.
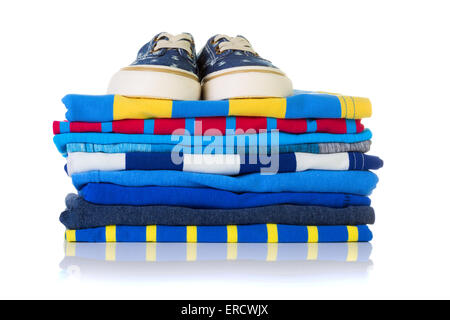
x,y
155,82
246,82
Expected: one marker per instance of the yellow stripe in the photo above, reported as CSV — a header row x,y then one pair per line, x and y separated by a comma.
x,y
151,233
71,249
350,106
150,251
343,106
191,251
353,107
352,234
71,235
110,251
110,233
272,252
232,235
271,107
352,251
272,233
232,249
313,251
140,108
363,107
191,234
313,234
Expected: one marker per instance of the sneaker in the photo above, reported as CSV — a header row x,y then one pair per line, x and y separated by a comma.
x,y
165,68
230,68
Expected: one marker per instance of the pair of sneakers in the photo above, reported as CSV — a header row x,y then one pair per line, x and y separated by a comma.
x,y
168,67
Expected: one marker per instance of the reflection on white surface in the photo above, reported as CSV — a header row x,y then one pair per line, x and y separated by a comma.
x,y
150,261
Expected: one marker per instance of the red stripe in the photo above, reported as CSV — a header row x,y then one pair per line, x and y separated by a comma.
x,y
85,127
359,126
168,126
128,126
56,129
331,125
250,124
210,126
292,125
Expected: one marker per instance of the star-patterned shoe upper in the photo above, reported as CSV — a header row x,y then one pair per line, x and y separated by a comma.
x,y
170,51
222,52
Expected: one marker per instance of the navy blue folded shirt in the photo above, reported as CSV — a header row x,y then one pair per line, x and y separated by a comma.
x,y
81,214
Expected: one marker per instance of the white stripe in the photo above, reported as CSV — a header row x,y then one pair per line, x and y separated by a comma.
x,y
228,164
87,161
332,161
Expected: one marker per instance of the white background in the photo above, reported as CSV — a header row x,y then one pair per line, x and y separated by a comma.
x,y
394,52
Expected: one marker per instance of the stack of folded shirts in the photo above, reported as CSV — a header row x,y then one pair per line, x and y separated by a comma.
x,y
245,170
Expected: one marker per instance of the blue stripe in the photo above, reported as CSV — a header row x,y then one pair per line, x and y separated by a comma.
x,y
364,234
311,125
287,162
89,108
191,109
171,233
131,234
151,161
252,233
107,127
91,235
356,161
64,127
332,233
288,233
319,105
230,125
351,125
189,125
211,234
149,126
271,124
351,161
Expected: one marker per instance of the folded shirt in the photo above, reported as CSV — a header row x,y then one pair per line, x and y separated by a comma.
x,y
145,253
256,233
213,126
229,164
207,198
355,182
81,214
211,144
301,105
330,147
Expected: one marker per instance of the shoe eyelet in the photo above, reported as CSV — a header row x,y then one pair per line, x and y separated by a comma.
x,y
218,50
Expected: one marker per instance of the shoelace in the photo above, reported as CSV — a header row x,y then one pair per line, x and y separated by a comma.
x,y
180,41
233,43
